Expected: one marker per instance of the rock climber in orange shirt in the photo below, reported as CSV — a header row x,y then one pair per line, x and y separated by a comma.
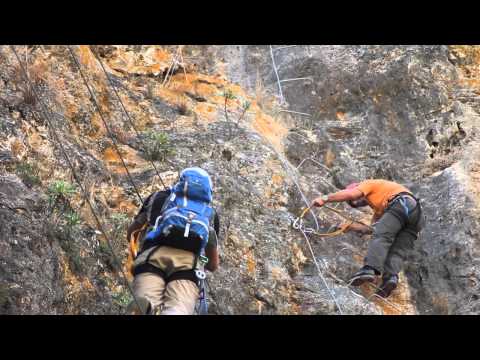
x,y
397,220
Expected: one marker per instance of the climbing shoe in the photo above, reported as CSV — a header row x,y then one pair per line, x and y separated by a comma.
x,y
365,274
140,307
389,283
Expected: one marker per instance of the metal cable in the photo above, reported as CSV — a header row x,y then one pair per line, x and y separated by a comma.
x,y
72,168
114,142
282,100
130,120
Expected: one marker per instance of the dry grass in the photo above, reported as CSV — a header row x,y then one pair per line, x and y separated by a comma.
x,y
36,74
183,108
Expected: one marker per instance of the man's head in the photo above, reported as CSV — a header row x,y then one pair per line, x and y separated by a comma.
x,y
356,203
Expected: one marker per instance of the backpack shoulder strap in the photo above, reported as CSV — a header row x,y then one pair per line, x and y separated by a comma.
x,y
150,206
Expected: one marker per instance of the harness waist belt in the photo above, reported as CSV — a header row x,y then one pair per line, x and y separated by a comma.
x,y
178,275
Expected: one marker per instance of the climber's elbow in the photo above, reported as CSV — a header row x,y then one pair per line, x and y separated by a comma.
x,y
213,258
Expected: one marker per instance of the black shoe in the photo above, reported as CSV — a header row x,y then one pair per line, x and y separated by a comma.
x,y
389,284
133,307
365,274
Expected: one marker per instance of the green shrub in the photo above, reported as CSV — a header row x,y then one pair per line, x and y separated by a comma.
x,y
29,173
106,255
117,235
246,105
72,219
157,146
228,95
122,298
59,191
67,237
119,222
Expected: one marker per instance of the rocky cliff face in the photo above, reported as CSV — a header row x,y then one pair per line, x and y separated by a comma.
x,y
406,113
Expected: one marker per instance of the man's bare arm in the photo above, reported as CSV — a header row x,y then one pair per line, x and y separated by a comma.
x,y
211,252
344,195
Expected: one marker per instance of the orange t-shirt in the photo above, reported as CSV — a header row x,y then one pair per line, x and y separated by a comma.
x,y
378,192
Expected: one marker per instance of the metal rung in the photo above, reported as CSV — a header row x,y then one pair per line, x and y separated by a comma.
x,y
294,79
294,112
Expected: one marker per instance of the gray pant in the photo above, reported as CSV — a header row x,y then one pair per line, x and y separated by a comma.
x,y
393,238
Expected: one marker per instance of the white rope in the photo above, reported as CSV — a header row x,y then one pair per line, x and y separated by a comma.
x,y
316,162
282,100
320,273
287,165
322,179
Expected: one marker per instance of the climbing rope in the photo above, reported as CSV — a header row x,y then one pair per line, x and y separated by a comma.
x,y
319,270
45,111
346,217
298,223
94,101
320,273
130,120
133,246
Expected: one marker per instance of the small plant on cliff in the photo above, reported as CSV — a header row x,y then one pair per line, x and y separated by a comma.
x,y
118,229
72,219
119,223
29,173
157,146
122,298
59,194
229,95
245,106
64,224
60,190
106,255
68,231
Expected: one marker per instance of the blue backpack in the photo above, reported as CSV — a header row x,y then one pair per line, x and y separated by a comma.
x,y
185,217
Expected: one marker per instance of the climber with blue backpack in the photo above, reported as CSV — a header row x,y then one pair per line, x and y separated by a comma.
x,y
178,232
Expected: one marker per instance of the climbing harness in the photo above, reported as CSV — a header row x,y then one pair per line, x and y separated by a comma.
x,y
298,225
203,302
403,202
134,245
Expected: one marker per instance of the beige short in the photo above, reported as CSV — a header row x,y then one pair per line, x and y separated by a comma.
x,y
178,297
